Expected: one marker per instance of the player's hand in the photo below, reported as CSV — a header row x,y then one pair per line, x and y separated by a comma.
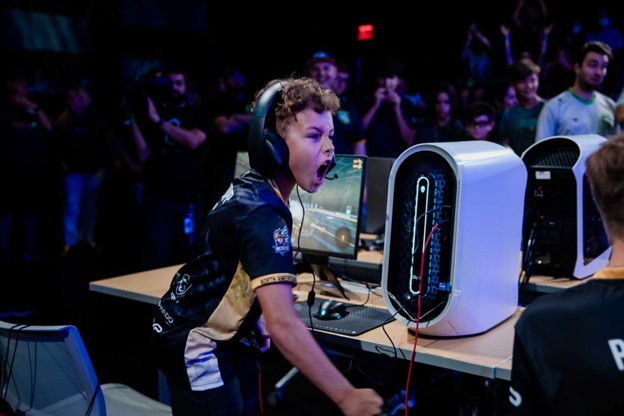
x,y
363,402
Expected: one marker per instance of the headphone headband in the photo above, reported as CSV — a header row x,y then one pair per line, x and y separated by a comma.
x,y
267,150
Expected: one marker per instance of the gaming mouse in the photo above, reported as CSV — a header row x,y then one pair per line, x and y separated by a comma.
x,y
331,309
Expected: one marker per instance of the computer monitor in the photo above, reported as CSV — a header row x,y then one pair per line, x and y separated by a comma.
x,y
377,177
242,163
331,219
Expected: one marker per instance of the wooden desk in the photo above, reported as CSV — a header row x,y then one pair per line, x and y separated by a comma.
x,y
146,287
479,355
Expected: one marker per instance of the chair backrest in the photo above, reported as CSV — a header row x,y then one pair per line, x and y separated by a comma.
x,y
46,370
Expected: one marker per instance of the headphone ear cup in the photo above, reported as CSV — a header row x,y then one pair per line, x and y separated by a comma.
x,y
267,150
275,153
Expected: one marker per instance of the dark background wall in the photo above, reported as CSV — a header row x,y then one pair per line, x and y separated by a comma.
x,y
110,42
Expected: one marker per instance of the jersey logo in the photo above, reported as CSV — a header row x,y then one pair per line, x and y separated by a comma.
x,y
183,285
282,241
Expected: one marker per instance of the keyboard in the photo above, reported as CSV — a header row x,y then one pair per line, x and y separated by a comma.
x,y
359,319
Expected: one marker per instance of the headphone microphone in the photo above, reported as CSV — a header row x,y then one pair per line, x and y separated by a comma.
x,y
331,178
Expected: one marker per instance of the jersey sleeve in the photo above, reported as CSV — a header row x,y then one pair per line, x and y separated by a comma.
x,y
266,249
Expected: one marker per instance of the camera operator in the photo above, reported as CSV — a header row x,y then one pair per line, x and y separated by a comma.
x,y
169,133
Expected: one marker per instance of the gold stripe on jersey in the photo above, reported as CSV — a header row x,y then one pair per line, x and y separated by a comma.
x,y
274,278
610,273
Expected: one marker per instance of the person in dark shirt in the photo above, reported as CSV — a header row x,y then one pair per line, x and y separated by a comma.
x,y
389,116
442,123
479,119
169,132
222,305
86,145
28,171
230,115
568,352
518,123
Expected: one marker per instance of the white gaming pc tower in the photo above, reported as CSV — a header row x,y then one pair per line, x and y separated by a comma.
x,y
563,234
453,236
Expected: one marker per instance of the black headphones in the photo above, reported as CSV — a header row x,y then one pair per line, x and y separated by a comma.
x,y
267,149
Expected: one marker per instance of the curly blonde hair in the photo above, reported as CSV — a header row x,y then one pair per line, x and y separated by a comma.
x,y
296,95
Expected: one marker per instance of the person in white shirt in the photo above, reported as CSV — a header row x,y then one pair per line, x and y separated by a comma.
x,y
582,109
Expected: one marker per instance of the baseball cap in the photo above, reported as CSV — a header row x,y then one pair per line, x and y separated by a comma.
x,y
320,56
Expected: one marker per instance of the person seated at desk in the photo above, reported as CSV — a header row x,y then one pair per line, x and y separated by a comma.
x,y
568,353
221,306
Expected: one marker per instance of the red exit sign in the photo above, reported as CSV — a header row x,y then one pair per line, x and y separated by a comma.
x,y
365,32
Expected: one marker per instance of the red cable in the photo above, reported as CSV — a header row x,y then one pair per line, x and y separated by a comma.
x,y
422,271
260,388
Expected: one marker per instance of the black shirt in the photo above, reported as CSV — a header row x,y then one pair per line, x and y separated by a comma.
x,y
568,356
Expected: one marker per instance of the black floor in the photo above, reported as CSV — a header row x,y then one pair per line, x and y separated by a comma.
x,y
54,290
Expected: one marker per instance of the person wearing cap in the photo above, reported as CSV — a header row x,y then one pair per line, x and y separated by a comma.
x,y
349,128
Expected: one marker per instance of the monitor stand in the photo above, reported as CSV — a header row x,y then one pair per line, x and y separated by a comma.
x,y
329,282
327,275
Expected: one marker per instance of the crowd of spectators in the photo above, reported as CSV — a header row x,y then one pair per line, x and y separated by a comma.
x,y
77,178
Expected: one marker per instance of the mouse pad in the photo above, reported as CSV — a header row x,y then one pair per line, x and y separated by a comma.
x,y
358,320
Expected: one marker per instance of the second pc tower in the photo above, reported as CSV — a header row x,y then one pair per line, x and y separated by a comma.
x,y
563,234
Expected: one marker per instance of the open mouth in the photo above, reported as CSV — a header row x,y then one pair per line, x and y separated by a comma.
x,y
323,169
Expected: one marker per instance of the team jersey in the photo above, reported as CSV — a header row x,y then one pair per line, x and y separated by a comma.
x,y
210,306
568,356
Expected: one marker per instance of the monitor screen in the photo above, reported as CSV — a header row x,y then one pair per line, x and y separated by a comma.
x,y
242,163
331,216
326,224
